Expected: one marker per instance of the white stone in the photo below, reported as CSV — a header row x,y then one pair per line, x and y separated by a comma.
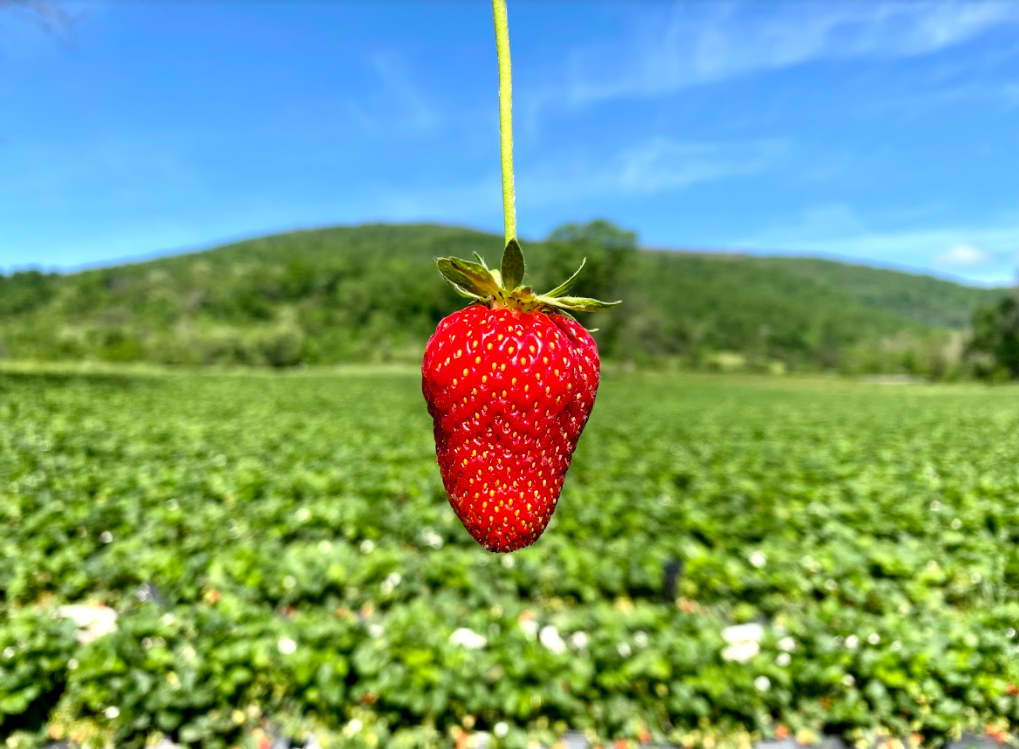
x,y
741,652
93,621
468,638
751,632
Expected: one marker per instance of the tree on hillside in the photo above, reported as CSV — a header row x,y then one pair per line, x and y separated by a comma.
x,y
995,338
609,251
597,233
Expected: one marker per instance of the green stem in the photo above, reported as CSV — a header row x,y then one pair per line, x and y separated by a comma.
x,y
509,208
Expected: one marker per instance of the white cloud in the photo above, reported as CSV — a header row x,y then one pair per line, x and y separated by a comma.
x,y
982,253
963,255
692,44
653,166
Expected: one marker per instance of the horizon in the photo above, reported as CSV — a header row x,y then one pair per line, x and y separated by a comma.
x,y
873,134
717,251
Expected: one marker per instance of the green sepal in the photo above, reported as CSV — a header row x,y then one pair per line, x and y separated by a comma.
x,y
577,303
464,293
512,265
568,283
465,276
503,287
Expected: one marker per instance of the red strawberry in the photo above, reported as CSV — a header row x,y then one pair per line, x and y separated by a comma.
x,y
510,384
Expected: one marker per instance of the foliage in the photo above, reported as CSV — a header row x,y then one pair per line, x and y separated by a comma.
x,y
371,294
996,338
283,559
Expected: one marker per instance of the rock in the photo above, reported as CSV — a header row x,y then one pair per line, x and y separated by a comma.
x,y
93,620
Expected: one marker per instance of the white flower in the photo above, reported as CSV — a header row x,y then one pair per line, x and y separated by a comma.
x,y
112,712
480,740
530,626
303,515
106,537
167,619
289,582
507,561
752,632
390,583
287,645
852,641
501,729
640,639
353,727
787,643
468,638
376,631
579,640
9,653
783,660
762,683
72,664
758,559
830,584
367,546
1010,632
624,649
873,638
325,547
848,680
935,506
172,503
93,621
741,652
896,646
432,538
188,653
956,524
550,639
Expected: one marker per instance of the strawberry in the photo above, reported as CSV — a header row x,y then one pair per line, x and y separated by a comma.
x,y
510,382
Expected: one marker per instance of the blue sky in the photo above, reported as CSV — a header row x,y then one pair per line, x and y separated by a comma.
x,y
883,132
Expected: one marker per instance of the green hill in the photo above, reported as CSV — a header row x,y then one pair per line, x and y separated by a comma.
x,y
924,299
371,293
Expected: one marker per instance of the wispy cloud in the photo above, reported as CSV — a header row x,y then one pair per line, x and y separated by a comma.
x,y
963,256
692,44
654,166
983,253
395,76
397,104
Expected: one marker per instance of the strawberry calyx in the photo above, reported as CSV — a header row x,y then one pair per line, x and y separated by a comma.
x,y
504,287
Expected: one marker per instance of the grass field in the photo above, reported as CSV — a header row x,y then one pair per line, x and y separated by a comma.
x,y
281,557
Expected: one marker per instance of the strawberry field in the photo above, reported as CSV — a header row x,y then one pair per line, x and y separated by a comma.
x,y
273,555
